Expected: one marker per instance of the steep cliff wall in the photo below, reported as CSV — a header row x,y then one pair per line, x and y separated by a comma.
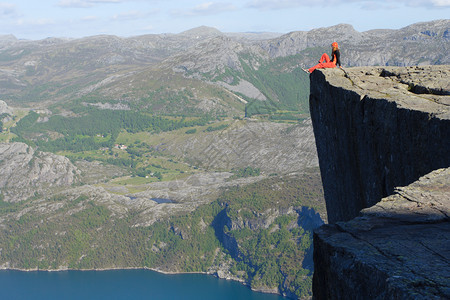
x,y
376,129
381,132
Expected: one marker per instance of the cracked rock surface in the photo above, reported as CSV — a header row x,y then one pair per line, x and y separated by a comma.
x,y
383,141
396,249
25,172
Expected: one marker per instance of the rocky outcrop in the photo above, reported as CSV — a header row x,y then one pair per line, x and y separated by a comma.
x,y
25,172
383,134
418,44
375,131
306,218
397,249
4,108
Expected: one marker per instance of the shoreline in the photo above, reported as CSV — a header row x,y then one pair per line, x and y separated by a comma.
x,y
105,269
2,268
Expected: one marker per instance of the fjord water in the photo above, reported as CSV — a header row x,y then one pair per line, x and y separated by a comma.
x,y
121,284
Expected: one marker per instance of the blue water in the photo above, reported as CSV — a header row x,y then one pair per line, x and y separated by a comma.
x,y
157,200
121,284
161,200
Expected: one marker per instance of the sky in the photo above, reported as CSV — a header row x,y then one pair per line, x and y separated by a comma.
x,y
29,19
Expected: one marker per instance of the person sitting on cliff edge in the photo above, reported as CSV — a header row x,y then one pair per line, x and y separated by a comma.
x,y
325,61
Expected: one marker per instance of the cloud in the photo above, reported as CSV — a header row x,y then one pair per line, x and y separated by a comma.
x,y
74,3
105,1
83,3
207,8
89,18
148,28
410,3
42,22
133,15
441,3
284,4
368,4
129,15
7,9
34,22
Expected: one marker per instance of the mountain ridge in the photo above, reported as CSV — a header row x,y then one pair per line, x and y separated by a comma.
x,y
71,65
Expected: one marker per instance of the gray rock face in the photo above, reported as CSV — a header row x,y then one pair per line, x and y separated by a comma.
x,y
418,44
373,133
4,109
24,171
271,147
378,130
397,249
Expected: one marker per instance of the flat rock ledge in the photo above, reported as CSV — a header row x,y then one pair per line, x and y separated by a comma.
x,y
397,249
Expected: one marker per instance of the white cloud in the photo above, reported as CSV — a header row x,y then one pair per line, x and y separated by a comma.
x,y
34,22
207,8
148,28
411,3
89,18
285,4
84,3
105,1
441,3
41,22
74,3
133,15
7,9
129,15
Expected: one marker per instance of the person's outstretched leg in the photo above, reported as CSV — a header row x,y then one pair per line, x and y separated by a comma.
x,y
324,62
325,58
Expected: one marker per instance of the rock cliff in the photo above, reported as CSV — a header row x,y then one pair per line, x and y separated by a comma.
x,y
376,129
25,172
383,140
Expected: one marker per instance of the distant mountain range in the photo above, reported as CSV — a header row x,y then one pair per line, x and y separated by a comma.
x,y
55,69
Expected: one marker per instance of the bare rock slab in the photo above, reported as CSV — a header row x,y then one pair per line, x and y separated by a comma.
x,y
397,249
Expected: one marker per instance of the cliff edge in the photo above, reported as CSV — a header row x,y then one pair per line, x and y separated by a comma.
x,y
376,129
383,140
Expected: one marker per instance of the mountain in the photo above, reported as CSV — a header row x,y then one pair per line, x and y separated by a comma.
x,y
201,32
190,152
421,43
53,70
